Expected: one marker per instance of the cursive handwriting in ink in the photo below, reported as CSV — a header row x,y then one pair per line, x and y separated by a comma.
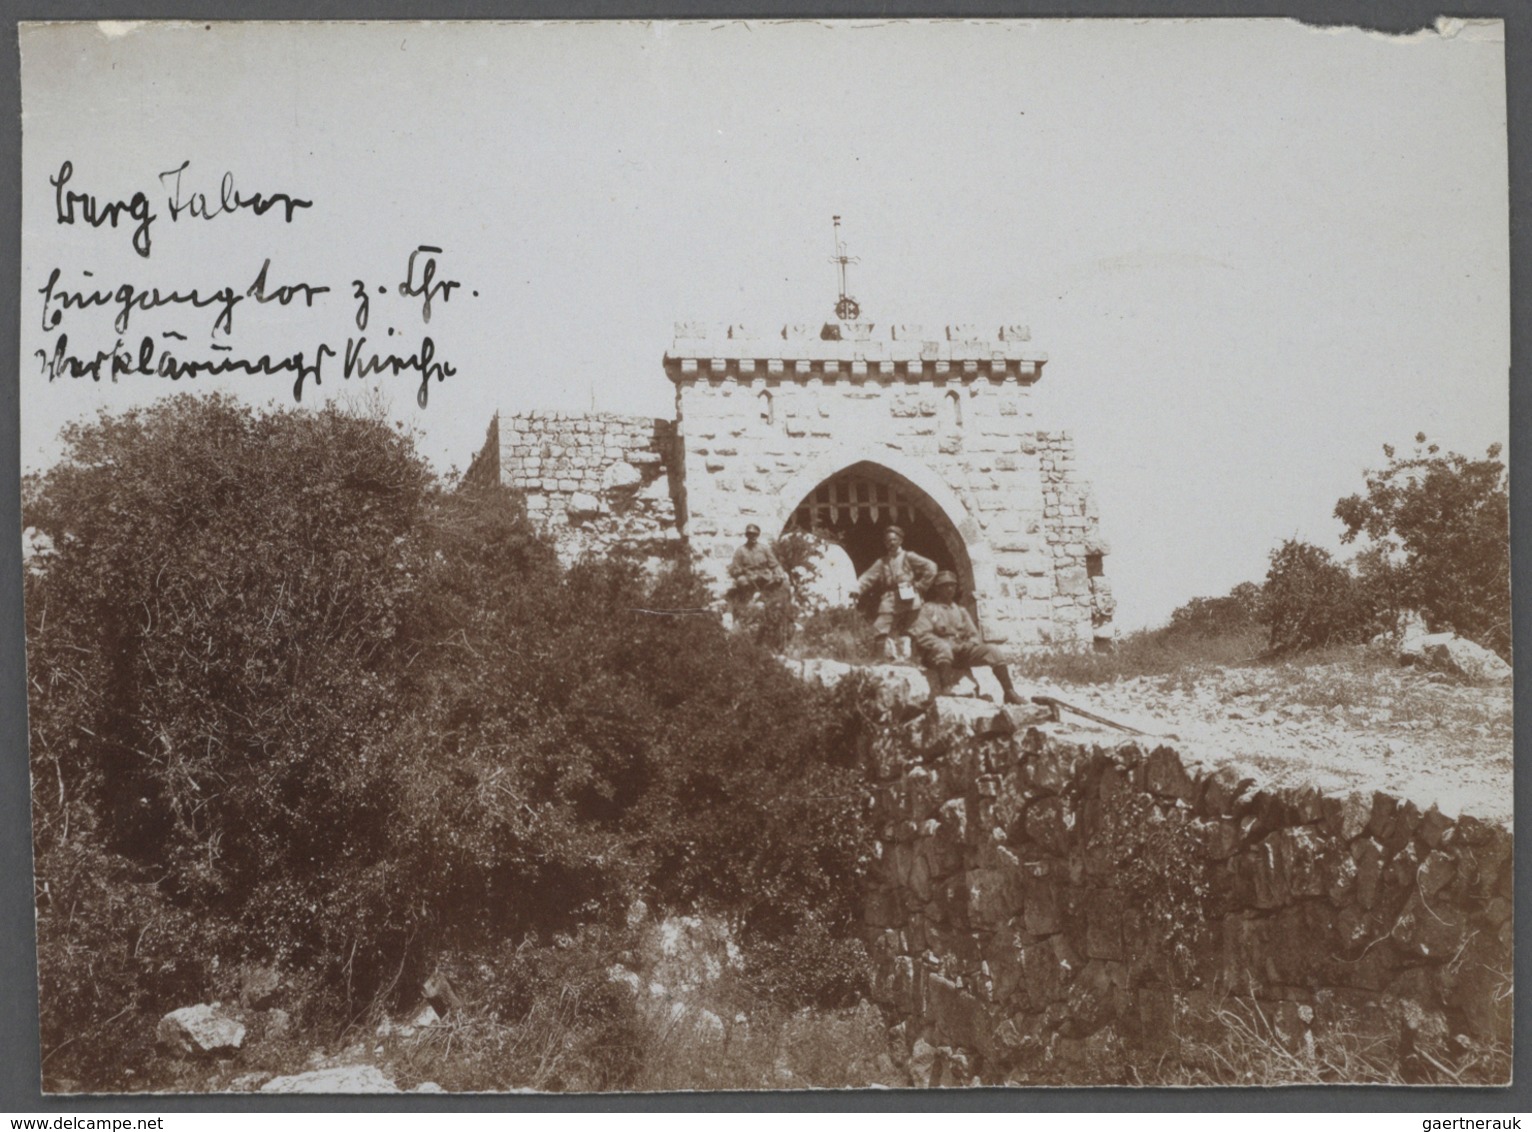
x,y
127,298
96,213
153,360
197,205
363,305
282,295
423,363
426,288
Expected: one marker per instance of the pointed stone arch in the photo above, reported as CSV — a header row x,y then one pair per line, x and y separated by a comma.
x,y
829,495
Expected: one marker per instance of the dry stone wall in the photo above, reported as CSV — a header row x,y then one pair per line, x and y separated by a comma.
x,y
593,481
1046,911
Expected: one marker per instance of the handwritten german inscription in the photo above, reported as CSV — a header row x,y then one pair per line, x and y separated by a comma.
x,y
75,300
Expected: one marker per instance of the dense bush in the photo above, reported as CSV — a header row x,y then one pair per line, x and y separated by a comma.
x,y
1440,531
1238,611
1438,542
1311,601
302,705
838,633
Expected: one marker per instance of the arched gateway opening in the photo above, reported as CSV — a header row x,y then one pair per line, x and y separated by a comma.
x,y
853,506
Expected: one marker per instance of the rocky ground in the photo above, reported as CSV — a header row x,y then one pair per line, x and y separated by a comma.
x,y
1353,724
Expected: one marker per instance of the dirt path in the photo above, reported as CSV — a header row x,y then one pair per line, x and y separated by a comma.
x,y
1351,725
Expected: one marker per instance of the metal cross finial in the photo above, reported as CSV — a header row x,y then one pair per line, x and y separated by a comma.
x,y
846,308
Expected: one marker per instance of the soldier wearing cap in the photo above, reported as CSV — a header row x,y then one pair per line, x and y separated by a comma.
x,y
754,569
947,637
898,579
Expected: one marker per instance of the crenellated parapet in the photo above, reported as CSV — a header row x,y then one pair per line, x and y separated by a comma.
x,y
853,351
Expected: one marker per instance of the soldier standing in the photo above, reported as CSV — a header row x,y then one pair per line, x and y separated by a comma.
x,y
898,579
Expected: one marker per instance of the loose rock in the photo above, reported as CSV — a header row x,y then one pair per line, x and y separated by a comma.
x,y
200,1031
337,1079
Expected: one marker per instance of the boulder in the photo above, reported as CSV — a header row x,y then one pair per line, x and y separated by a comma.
x,y
424,1017
336,1079
623,976
1446,652
200,1031
922,1061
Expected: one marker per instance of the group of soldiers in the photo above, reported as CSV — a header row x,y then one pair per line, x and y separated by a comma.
x,y
914,600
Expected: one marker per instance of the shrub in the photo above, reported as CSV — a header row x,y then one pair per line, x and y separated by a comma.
x,y
541,1015
1239,611
1439,525
303,699
837,633
1311,601
111,950
800,554
216,646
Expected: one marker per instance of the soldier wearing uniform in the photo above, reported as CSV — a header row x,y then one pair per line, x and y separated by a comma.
x,y
947,637
898,579
754,570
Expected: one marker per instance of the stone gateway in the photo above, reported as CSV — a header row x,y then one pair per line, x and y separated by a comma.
x,y
838,430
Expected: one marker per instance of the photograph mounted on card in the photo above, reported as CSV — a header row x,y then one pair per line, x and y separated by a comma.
x,y
642,556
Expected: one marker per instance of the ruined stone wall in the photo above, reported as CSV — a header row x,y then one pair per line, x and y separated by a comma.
x,y
1042,911
763,419
1083,604
592,480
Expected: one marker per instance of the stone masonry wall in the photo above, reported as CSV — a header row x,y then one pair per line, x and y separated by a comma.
x,y
592,480
1083,604
763,419
1043,911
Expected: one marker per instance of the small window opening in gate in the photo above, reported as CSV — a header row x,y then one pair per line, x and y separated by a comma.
x,y
1093,566
952,415
763,403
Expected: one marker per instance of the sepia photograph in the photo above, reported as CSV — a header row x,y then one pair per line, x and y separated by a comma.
x,y
653,556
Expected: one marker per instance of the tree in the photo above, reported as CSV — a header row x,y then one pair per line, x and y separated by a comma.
x,y
1312,601
220,636
1440,528
294,701
1237,611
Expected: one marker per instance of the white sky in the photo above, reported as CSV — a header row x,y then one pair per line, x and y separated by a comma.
x,y
1254,251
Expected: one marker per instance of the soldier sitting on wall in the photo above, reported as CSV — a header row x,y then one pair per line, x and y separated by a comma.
x,y
755,570
898,580
947,638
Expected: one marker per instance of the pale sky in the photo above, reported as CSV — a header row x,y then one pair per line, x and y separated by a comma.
x,y
1254,251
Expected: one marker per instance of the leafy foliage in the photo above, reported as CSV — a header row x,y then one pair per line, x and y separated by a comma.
x,y
1438,541
1240,610
1440,528
290,692
1312,601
